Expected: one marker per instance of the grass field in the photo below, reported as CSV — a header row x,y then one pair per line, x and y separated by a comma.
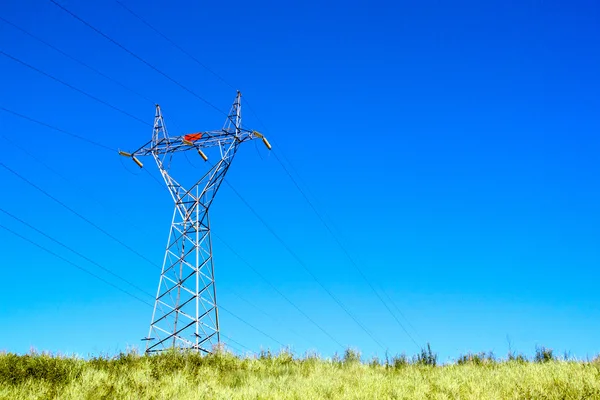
x,y
224,376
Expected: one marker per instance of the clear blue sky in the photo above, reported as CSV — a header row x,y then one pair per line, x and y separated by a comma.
x,y
454,146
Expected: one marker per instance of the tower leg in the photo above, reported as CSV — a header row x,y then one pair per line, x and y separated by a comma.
x,y
185,312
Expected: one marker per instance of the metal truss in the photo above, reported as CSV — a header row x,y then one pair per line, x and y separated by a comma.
x,y
185,313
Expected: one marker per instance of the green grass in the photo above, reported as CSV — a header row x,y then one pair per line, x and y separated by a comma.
x,y
175,375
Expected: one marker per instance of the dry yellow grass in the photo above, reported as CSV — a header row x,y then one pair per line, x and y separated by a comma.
x,y
224,376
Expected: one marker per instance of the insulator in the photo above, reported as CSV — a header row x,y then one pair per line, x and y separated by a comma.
x,y
124,153
202,155
185,141
257,134
138,162
266,142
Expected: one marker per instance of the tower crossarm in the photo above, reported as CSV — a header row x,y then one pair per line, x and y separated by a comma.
x,y
195,141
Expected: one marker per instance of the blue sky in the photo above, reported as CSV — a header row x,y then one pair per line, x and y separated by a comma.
x,y
452,145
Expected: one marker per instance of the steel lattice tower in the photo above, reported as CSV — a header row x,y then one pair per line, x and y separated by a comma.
x,y
185,313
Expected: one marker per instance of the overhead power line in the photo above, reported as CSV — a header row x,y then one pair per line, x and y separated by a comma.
x,y
80,216
252,326
174,44
64,246
336,238
269,315
279,292
304,266
78,61
347,254
239,344
73,264
72,87
79,137
137,57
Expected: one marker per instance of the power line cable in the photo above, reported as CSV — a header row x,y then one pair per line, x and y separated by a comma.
x,y
61,244
77,214
137,57
174,44
76,59
72,87
89,141
252,326
238,343
279,292
402,314
73,264
336,238
304,266
339,243
270,316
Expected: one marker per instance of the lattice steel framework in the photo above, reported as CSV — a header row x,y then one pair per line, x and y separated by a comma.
x,y
185,313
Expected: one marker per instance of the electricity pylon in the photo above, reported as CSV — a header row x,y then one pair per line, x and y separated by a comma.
x,y
185,313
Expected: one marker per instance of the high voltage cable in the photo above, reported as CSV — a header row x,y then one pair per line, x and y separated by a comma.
x,y
73,264
58,242
175,44
278,291
250,325
136,56
72,87
401,313
304,266
345,250
356,267
238,343
337,240
75,59
76,213
57,129
274,319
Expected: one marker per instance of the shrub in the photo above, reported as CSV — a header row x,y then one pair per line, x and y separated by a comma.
x,y
520,358
426,357
351,356
56,370
543,354
477,358
374,363
400,361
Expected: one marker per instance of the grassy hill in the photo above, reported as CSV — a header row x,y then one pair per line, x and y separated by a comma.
x,y
175,375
